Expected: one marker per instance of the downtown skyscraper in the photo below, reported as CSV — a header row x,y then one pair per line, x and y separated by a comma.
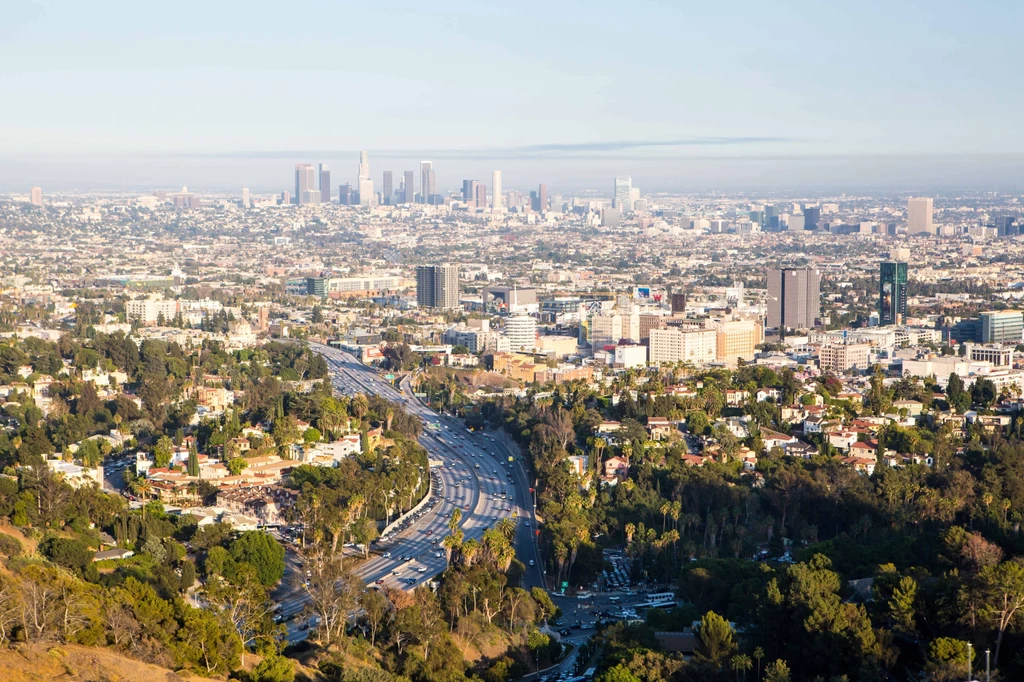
x,y
306,191
496,199
409,188
325,183
387,188
427,182
366,196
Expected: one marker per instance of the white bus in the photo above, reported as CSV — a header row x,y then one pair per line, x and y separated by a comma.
x,y
659,600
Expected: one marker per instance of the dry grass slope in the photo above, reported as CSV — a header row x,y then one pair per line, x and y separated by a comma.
x,y
46,662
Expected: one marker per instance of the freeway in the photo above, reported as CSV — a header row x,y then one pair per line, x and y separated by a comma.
x,y
473,472
470,471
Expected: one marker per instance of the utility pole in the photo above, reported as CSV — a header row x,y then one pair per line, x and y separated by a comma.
x,y
970,655
988,669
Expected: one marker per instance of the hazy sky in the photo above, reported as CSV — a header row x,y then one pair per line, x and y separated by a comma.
x,y
218,94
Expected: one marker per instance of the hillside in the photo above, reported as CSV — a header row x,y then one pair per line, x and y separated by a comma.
x,y
39,662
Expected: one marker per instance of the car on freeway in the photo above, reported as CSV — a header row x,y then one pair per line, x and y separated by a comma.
x,y
379,582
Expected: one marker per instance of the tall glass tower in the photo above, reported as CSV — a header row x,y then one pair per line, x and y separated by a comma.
x,y
892,293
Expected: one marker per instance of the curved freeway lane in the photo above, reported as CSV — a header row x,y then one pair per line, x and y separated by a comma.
x,y
474,473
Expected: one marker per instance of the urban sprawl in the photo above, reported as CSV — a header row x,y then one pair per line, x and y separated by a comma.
x,y
407,415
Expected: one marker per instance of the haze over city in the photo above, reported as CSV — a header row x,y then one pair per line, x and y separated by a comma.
x,y
682,97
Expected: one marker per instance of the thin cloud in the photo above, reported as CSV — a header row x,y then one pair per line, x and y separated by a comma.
x,y
582,150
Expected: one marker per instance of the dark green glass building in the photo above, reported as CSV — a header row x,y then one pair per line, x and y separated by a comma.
x,y
892,293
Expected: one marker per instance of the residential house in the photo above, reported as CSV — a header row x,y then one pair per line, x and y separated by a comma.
x,y
772,439
616,467
660,428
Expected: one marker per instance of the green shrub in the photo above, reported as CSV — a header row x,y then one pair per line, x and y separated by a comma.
x,y
10,546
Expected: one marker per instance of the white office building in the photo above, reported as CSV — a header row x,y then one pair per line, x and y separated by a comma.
x,y
674,345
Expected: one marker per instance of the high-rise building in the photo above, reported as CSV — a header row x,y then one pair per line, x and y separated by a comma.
x,y
496,198
387,191
304,182
1006,226
364,166
678,304
426,181
437,286
622,198
245,197
366,197
37,196
812,216
542,199
919,215
892,293
480,194
286,197
794,297
467,190
409,195
345,194
325,183
1002,326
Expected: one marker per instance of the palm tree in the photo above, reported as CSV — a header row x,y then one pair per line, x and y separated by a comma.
x,y
758,655
143,488
506,527
451,543
453,522
740,662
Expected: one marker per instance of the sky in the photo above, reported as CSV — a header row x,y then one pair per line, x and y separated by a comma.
x,y
680,95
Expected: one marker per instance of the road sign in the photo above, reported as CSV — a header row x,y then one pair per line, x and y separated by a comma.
x,y
510,459
565,584
389,377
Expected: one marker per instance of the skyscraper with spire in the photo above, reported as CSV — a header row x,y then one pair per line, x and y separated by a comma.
x,y
366,196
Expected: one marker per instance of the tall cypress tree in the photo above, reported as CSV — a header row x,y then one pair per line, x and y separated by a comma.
x,y
193,461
